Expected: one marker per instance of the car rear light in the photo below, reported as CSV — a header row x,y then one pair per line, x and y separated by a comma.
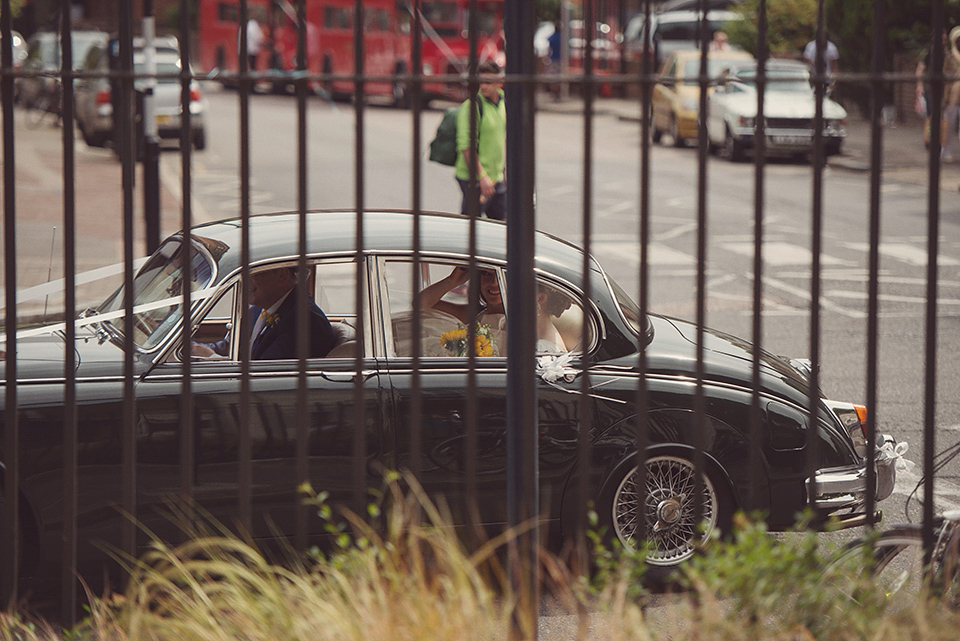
x,y
103,97
195,95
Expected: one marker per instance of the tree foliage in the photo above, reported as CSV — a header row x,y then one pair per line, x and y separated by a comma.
x,y
793,23
15,6
850,25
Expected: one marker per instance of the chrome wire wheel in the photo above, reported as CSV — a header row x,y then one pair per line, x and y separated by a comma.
x,y
669,506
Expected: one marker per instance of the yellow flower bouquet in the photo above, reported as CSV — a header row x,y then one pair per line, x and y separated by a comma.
x,y
455,341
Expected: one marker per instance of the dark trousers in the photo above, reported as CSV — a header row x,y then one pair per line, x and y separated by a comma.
x,y
495,208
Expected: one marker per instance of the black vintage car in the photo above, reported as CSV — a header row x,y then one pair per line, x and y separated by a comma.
x,y
609,329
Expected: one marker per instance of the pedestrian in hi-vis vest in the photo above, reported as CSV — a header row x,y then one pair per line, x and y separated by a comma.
x,y
487,156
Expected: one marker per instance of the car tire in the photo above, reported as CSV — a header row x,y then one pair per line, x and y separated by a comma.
x,y
655,134
678,140
93,140
732,148
200,139
401,95
671,531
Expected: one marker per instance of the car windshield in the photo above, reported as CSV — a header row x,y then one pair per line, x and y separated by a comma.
x,y
158,287
778,80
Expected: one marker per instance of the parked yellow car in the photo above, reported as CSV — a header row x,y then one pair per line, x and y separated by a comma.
x,y
676,96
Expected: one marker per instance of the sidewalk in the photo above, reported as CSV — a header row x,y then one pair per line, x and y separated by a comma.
x,y
904,158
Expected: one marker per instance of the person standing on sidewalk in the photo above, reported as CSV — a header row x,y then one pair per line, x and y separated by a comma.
x,y
486,155
950,102
951,94
254,42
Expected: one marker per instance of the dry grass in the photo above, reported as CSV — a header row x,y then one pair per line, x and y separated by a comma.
x,y
416,582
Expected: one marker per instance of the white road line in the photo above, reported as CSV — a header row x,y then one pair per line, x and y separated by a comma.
x,y
910,254
170,179
804,295
888,298
659,254
860,276
780,253
676,231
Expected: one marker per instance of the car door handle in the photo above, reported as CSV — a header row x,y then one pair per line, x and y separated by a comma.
x,y
347,377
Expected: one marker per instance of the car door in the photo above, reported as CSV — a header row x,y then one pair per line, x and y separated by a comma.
x,y
273,415
446,386
664,95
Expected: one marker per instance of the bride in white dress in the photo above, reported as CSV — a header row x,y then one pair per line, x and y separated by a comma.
x,y
550,304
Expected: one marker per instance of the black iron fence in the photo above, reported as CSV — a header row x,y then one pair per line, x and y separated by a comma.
x,y
127,468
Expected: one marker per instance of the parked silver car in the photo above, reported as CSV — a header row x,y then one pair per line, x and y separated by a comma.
x,y
789,108
96,96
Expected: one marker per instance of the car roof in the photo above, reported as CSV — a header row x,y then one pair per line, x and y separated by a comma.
x,y
275,236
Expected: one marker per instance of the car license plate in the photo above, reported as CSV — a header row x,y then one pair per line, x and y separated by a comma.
x,y
791,141
163,120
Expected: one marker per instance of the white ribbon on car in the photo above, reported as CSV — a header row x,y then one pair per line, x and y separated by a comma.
x,y
555,369
890,452
173,301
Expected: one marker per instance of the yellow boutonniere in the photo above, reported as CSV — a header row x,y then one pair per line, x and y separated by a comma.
x,y
270,319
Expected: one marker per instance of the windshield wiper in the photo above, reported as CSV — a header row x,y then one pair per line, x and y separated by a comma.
x,y
103,334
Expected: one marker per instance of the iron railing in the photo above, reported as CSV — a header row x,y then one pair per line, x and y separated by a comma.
x,y
522,82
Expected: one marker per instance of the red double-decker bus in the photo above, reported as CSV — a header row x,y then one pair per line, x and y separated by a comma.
x,y
330,47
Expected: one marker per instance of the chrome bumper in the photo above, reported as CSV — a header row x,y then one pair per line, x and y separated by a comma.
x,y
844,488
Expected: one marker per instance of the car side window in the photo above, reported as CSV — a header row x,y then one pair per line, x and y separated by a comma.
x,y
559,320
444,301
335,289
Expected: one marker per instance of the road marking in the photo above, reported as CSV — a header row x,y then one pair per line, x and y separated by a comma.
x,y
909,254
781,253
804,295
861,276
659,254
888,298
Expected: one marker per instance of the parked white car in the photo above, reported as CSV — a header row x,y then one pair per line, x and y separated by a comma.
x,y
789,108
95,95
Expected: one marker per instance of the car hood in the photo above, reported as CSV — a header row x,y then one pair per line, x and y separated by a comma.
x,y
727,358
41,355
783,104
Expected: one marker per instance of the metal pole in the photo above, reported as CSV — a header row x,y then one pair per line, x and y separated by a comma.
x,y
564,47
522,455
151,141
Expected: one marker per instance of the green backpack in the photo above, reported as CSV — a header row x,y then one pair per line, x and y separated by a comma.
x,y
443,147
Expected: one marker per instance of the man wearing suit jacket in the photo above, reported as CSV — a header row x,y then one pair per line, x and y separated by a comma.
x,y
273,317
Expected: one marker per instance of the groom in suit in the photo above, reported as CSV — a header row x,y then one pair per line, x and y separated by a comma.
x,y
273,317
